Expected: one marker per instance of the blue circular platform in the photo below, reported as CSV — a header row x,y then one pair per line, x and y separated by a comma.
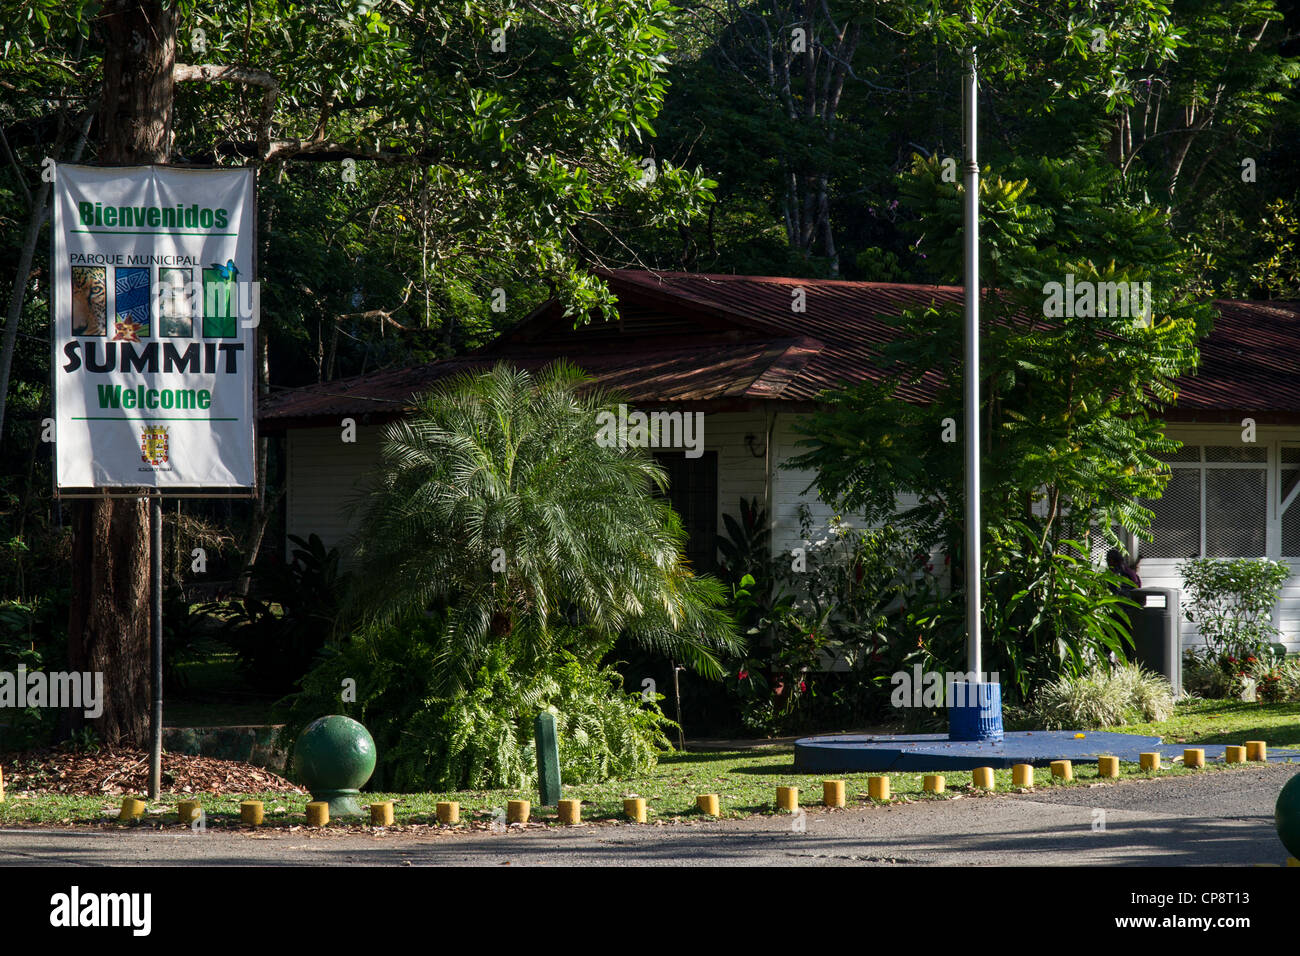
x,y
852,753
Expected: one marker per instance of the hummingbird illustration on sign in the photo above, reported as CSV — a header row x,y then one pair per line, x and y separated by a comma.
x,y
228,271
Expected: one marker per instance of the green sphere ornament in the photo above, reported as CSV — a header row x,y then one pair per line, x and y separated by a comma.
x,y
333,758
1287,816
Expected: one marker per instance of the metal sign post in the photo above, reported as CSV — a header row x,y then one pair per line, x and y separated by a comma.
x,y
155,644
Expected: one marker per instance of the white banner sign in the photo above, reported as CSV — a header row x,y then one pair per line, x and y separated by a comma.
x,y
154,311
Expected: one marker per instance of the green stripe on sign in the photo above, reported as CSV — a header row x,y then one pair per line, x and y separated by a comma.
x,y
148,418
151,232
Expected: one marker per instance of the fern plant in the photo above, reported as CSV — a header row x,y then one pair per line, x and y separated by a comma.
x,y
480,737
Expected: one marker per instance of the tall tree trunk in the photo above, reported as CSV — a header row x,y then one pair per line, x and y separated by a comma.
x,y
108,624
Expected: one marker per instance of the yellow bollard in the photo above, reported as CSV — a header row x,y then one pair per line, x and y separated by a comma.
x,y
1194,758
517,811
318,813
448,812
708,804
1256,750
932,783
381,814
570,812
1108,767
187,811
1149,761
878,788
787,799
634,809
1022,775
832,793
250,813
982,778
1063,769
1234,754
2,784
132,809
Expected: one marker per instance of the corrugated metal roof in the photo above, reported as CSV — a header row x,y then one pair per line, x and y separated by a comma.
x,y
735,341
1250,362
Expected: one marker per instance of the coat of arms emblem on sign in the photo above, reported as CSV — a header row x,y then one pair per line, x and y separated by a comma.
x,y
153,445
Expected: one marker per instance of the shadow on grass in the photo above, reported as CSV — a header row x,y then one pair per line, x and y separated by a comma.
x,y
706,757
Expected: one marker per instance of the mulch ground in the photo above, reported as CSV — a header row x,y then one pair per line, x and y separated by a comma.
x,y
126,771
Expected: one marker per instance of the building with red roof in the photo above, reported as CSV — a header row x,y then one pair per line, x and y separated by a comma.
x,y
731,347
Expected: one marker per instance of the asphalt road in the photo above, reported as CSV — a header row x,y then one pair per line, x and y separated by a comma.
x,y
1221,819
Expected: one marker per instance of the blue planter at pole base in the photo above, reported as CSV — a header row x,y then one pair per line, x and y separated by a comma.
x,y
975,712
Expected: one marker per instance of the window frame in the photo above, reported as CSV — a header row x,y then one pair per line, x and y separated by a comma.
x,y
1270,466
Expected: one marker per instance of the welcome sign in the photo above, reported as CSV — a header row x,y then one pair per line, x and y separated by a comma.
x,y
154,314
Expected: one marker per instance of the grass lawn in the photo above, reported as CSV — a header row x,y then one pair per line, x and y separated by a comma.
x,y
1226,722
745,781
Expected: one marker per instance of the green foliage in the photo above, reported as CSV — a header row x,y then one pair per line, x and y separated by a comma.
x,y
31,725
745,545
1231,602
481,737
844,599
290,615
1069,435
1104,698
496,506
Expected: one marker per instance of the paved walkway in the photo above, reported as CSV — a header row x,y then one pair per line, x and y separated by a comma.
x,y
1219,819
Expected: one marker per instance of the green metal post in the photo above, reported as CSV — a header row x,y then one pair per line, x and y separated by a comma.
x,y
548,760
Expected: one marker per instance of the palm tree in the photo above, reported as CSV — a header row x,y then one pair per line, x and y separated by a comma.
x,y
496,508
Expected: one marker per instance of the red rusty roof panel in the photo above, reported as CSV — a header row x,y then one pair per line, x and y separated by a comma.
x,y
713,339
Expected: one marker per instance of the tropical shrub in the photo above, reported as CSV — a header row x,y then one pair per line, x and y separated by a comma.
x,y
1048,613
1277,678
30,725
1104,697
842,600
1231,602
481,737
496,507
502,551
1218,675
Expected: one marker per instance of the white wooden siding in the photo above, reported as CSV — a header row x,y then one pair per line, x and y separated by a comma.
x,y
788,490
1163,572
740,474
324,473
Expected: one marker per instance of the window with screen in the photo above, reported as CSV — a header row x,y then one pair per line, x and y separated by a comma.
x,y
1289,500
1215,504
1176,528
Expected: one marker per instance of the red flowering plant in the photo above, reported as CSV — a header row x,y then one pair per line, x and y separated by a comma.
x,y
1220,675
836,600
1231,602
771,680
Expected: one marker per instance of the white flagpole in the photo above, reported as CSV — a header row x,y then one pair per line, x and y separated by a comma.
x,y
971,221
